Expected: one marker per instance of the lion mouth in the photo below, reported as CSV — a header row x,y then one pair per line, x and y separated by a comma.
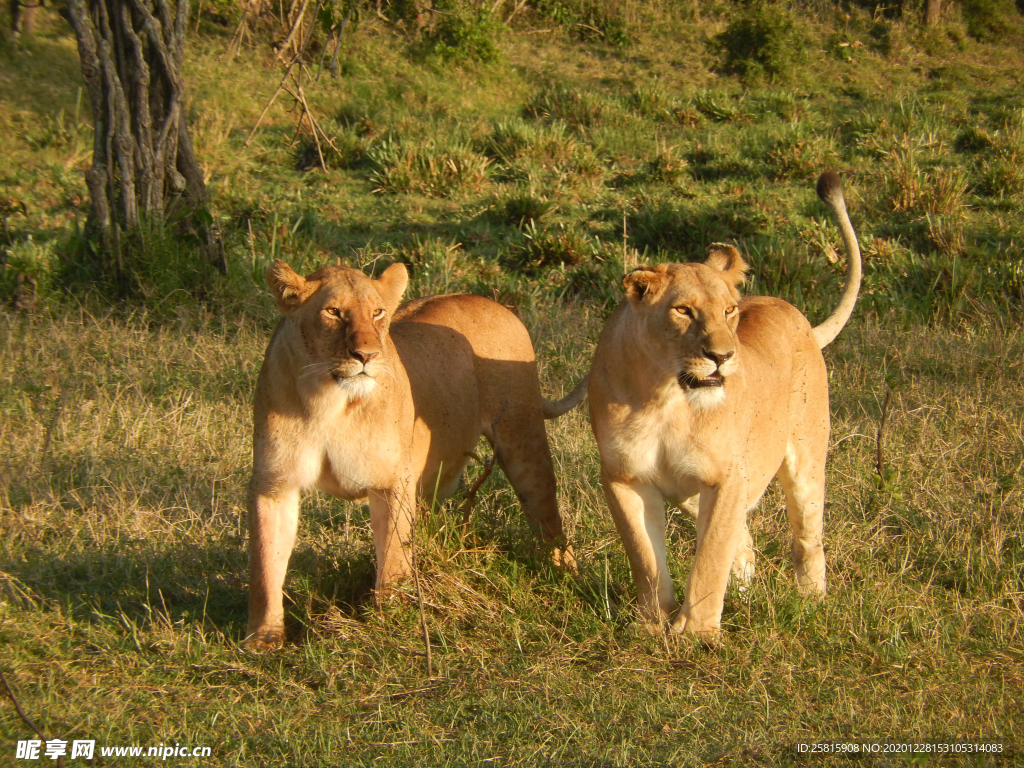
x,y
341,377
699,382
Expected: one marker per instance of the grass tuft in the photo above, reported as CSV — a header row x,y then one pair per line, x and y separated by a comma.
x,y
402,166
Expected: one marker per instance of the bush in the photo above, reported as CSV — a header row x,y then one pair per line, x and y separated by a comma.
x,y
991,20
462,35
588,20
158,265
763,41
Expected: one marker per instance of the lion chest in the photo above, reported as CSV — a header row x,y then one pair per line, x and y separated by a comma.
x,y
351,464
342,448
657,446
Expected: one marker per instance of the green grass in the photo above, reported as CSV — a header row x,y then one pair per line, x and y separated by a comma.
x,y
536,179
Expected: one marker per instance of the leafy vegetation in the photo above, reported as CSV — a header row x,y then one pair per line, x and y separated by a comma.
x,y
763,40
536,177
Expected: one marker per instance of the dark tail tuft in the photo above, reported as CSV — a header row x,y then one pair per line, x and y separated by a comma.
x,y
830,185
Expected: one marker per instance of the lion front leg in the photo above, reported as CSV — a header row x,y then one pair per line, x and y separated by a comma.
x,y
273,521
639,514
720,534
391,519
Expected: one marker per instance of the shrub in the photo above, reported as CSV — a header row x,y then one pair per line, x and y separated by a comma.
x,y
684,233
763,41
972,138
794,157
946,233
911,188
991,20
462,35
653,101
593,20
159,265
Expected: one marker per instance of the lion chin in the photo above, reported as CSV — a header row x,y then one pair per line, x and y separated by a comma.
x,y
356,387
705,397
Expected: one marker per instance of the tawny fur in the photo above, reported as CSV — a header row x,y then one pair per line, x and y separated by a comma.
x,y
701,397
365,400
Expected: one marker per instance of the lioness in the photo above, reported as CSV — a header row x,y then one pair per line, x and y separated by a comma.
x,y
362,399
702,397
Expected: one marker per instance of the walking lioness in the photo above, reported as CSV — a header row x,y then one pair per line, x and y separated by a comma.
x,y
702,397
365,400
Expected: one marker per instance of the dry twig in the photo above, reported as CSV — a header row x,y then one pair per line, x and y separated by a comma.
x,y
23,716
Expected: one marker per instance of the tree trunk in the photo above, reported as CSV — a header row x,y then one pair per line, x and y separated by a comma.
x,y
933,10
142,165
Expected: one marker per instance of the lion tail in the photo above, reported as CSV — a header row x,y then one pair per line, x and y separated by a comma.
x,y
552,410
830,189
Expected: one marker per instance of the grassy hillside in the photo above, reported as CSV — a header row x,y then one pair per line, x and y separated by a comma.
x,y
535,177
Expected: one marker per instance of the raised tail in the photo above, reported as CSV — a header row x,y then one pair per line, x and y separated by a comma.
x,y
552,410
830,189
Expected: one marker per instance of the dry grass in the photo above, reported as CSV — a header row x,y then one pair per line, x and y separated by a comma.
x,y
123,574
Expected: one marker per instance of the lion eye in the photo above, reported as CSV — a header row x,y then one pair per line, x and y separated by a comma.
x,y
333,312
731,311
378,314
684,311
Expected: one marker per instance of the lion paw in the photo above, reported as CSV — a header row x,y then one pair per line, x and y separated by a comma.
x,y
264,640
565,558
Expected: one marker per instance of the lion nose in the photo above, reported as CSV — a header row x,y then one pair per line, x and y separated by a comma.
x,y
364,355
717,357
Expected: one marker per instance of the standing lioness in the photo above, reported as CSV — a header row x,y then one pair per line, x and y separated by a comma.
x,y
361,399
702,397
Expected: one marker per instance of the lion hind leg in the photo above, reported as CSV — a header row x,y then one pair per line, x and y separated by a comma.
x,y
521,449
802,475
743,565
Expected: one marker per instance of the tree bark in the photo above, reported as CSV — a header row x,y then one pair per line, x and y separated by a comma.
x,y
143,165
932,13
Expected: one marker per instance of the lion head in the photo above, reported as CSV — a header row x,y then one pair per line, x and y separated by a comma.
x,y
689,314
343,318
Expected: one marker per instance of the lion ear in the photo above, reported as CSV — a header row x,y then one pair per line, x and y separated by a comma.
x,y
290,289
392,284
727,260
644,284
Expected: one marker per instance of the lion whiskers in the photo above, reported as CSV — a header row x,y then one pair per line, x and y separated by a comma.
x,y
314,368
